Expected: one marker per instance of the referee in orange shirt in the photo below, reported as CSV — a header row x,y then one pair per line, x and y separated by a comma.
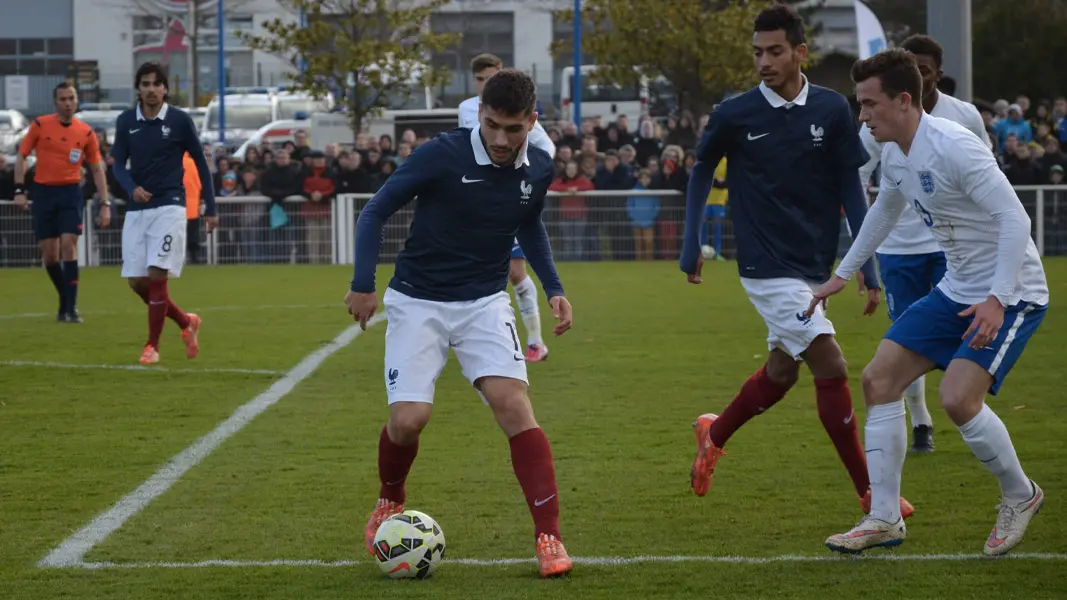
x,y
62,144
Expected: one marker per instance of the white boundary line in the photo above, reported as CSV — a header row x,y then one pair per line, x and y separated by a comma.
x,y
71,552
603,561
195,309
57,365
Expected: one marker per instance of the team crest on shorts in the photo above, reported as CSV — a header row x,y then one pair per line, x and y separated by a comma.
x,y
75,156
926,180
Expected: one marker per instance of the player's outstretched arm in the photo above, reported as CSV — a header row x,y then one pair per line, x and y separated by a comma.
x,y
877,225
696,196
533,239
854,201
196,151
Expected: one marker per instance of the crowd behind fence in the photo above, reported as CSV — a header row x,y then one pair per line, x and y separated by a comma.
x,y
604,232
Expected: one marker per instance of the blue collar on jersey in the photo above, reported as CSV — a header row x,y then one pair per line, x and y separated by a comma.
x,y
778,102
161,116
482,157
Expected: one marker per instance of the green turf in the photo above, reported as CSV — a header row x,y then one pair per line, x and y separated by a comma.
x,y
648,353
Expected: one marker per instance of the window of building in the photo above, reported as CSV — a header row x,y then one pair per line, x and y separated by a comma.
x,y
31,47
478,32
35,56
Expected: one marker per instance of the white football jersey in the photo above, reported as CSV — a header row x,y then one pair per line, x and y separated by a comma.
x,y
952,183
910,236
468,117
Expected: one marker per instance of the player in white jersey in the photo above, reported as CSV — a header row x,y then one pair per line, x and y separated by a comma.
x,y
483,67
910,262
993,297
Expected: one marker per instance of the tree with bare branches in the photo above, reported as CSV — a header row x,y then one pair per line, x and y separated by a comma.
x,y
372,48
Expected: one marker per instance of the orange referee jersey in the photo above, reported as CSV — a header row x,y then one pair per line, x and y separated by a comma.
x,y
60,149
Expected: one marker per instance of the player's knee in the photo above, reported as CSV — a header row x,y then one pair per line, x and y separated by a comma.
x,y
959,405
407,420
50,252
825,359
879,385
510,403
782,369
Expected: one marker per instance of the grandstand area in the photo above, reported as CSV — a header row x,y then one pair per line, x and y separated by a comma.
x,y
254,465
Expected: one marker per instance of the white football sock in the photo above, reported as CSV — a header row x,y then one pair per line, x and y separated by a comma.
x,y
915,398
990,442
886,438
526,298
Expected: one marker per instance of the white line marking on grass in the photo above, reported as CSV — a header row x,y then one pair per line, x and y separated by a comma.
x,y
57,365
197,309
71,552
603,561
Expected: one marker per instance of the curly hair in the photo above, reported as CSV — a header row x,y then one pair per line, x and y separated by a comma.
x,y
510,92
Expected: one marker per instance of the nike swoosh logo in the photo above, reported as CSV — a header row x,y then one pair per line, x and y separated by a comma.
x,y
134,130
756,137
848,419
518,358
465,180
397,482
542,502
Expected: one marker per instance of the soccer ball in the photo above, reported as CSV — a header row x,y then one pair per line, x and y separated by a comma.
x,y
409,545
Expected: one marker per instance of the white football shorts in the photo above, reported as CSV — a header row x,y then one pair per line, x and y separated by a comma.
x,y
154,237
782,303
481,332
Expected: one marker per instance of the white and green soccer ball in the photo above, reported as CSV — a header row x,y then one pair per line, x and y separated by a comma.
x,y
409,545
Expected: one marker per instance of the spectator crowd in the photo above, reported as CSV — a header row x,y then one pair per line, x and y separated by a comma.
x,y
603,155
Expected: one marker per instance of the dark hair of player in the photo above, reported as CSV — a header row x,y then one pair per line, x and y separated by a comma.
x,y
510,92
63,85
153,68
924,45
896,69
485,61
784,17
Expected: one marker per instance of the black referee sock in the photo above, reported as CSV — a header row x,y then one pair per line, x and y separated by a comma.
x,y
70,273
55,273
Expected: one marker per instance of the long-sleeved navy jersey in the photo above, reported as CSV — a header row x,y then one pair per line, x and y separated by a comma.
x,y
468,214
792,166
155,149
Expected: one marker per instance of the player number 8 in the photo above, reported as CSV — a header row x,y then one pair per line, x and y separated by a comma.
x,y
167,239
927,218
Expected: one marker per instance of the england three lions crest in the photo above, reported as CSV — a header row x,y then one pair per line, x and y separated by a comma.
x,y
926,180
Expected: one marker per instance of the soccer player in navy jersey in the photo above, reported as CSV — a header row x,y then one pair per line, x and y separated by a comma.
x,y
793,154
155,137
478,189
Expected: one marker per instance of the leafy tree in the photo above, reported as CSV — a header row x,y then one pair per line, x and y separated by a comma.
x,y
1016,48
372,48
703,47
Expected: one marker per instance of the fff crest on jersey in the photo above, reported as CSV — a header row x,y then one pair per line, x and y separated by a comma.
x,y
526,189
926,180
166,131
816,135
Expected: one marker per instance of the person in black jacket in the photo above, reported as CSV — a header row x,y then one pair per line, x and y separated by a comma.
x,y
279,181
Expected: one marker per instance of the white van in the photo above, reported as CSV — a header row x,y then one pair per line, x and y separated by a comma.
x,y
609,100
245,113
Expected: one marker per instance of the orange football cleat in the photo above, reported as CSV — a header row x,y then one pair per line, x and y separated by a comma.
x,y
552,557
382,511
191,337
707,455
149,356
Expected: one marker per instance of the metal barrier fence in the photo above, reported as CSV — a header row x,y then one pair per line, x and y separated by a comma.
x,y
588,226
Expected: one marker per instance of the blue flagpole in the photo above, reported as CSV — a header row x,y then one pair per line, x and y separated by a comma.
x,y
222,72
303,24
576,86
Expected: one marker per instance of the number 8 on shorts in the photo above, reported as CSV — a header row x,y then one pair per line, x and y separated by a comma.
x,y
154,237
